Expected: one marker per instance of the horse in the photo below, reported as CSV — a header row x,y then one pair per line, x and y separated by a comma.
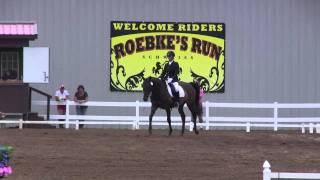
x,y
160,98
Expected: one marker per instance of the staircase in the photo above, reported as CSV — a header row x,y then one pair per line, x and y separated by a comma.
x,y
33,116
16,103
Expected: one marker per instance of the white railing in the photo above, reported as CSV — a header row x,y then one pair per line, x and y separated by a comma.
x,y
210,121
268,175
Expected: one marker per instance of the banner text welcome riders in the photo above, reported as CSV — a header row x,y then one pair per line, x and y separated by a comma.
x,y
167,41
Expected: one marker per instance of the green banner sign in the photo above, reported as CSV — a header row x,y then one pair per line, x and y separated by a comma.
x,y
138,50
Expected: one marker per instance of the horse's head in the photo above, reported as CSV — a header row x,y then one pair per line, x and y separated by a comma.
x,y
147,87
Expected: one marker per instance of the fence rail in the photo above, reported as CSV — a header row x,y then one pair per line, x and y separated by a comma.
x,y
268,175
135,120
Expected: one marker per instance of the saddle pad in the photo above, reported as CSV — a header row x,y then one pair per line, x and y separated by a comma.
x,y
180,89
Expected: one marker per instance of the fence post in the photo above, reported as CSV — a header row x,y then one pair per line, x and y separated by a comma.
x,y
311,128
266,171
303,130
77,124
317,128
135,124
190,125
248,127
207,115
67,114
275,116
20,123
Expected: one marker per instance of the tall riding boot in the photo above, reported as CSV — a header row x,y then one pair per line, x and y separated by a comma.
x,y
176,99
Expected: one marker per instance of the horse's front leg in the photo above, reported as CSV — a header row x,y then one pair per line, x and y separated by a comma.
x,y
153,110
168,110
183,118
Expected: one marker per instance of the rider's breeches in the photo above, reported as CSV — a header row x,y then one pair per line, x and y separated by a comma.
x,y
176,86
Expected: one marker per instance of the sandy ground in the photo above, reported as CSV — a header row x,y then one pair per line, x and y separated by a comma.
x,y
126,154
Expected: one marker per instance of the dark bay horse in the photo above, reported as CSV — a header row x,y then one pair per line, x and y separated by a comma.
x,y
160,98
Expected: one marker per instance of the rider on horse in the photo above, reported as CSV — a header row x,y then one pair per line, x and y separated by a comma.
x,y
170,75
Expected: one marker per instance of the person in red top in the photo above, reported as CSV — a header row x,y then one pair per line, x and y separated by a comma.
x,y
61,95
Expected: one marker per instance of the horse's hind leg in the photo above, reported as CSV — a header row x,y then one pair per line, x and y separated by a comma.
x,y
183,118
200,114
153,110
168,110
194,117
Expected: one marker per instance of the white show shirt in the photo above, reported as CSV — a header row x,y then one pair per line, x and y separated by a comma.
x,y
62,95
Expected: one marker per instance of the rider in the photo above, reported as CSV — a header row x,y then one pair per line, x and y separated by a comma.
x,y
170,74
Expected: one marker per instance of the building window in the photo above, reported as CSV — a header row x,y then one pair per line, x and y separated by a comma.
x,y
10,64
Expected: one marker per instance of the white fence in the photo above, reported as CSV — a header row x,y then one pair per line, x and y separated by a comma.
x,y
268,175
212,121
